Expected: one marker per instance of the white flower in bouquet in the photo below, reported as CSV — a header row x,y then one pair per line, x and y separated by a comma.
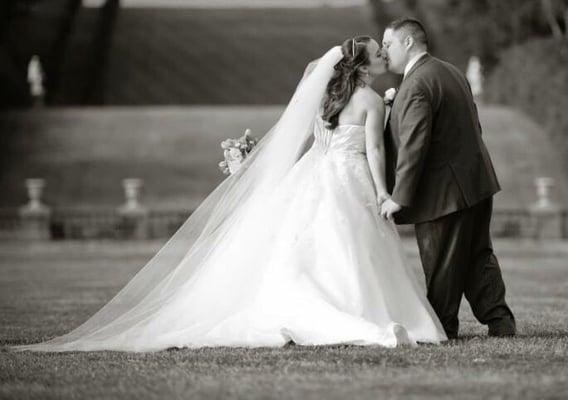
x,y
234,159
224,167
233,165
236,154
235,151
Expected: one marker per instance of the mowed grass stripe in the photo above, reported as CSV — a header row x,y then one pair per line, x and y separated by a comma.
x,y
55,287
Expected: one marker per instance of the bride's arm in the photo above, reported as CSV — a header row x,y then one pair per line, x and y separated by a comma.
x,y
374,143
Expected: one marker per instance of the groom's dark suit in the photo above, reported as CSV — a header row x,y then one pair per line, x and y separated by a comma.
x,y
439,170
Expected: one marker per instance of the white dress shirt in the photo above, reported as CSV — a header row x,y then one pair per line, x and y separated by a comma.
x,y
413,61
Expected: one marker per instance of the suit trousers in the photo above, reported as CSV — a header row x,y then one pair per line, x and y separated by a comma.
x,y
457,257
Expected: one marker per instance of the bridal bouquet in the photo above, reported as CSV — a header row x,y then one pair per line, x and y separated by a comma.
x,y
235,151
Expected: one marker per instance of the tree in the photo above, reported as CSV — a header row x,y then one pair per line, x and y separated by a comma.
x,y
461,28
486,27
555,11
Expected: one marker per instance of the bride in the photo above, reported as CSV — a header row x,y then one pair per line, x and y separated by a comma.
x,y
289,248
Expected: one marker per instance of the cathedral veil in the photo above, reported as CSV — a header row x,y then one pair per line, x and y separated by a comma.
x,y
239,200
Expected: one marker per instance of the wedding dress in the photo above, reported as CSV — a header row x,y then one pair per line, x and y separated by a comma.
x,y
303,256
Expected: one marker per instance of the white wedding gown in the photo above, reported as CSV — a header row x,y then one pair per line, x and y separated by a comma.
x,y
284,250
332,271
336,272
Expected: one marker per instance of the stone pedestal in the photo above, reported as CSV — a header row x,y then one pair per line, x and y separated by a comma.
x,y
134,217
35,215
546,215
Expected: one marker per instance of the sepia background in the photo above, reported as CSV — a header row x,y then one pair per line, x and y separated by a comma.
x,y
111,118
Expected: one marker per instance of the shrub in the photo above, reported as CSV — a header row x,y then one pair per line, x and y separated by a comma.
x,y
534,78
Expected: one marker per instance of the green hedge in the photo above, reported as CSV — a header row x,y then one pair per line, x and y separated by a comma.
x,y
534,77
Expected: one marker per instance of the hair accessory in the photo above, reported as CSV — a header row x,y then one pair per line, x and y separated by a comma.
x,y
353,48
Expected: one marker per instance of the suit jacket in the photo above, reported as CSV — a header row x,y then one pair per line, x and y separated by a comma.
x,y
436,161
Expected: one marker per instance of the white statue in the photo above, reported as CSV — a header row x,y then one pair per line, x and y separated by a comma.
x,y
475,76
35,79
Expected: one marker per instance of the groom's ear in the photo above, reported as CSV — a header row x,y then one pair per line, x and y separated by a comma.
x,y
408,41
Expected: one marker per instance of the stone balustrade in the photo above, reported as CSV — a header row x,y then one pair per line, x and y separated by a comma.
x,y
546,215
132,220
35,215
134,217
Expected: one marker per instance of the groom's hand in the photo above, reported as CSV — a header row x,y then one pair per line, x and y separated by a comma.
x,y
389,208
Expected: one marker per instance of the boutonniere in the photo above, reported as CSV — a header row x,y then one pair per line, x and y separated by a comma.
x,y
389,96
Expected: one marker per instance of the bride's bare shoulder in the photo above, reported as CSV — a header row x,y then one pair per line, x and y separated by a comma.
x,y
368,97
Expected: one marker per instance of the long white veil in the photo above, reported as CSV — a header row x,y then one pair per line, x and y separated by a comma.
x,y
237,198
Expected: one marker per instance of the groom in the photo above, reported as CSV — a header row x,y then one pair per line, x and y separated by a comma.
x,y
441,180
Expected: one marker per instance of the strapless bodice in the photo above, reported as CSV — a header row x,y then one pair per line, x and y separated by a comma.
x,y
344,138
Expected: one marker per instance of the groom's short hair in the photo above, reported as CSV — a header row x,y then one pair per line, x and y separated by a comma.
x,y
412,27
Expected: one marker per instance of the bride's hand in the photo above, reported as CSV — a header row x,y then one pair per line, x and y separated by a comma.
x,y
382,197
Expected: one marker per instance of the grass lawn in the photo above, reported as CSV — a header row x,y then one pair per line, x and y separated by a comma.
x,y
47,289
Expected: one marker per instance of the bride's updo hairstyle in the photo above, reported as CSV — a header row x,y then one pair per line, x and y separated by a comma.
x,y
346,78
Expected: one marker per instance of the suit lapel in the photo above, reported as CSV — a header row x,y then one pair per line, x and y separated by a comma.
x,y
394,109
421,61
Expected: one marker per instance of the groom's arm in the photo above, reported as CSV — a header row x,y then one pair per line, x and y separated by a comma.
x,y
415,121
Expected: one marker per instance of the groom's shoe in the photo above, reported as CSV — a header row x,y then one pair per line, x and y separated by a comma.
x,y
451,327
500,334
504,327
